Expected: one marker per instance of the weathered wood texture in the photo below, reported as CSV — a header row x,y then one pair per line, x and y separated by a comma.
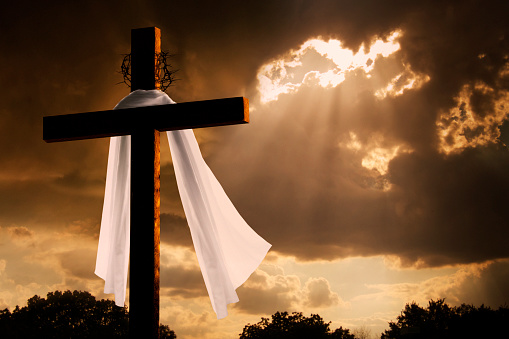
x,y
145,228
145,192
185,115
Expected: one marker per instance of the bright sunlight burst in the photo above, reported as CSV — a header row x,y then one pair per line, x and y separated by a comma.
x,y
287,74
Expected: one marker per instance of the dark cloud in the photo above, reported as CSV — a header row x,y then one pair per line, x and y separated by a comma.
x,y
483,285
461,216
441,209
48,203
178,281
489,288
20,232
78,264
174,230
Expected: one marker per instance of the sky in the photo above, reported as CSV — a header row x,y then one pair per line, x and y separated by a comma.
x,y
375,161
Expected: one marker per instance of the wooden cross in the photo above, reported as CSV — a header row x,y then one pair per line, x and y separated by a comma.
x,y
144,125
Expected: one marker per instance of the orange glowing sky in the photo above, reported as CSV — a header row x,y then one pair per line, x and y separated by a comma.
x,y
376,159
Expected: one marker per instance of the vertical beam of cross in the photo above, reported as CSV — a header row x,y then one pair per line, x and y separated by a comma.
x,y
145,195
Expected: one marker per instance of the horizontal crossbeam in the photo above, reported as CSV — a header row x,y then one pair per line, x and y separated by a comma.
x,y
187,115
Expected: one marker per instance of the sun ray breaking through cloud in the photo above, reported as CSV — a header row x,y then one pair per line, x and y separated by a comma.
x,y
281,75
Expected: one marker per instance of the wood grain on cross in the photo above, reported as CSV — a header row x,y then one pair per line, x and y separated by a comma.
x,y
144,125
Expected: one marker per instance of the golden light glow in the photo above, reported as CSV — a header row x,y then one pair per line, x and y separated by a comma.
x,y
378,158
272,79
460,127
353,143
376,154
405,80
280,75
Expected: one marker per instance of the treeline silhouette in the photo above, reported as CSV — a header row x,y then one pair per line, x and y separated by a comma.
x,y
69,314
296,326
441,321
437,321
77,315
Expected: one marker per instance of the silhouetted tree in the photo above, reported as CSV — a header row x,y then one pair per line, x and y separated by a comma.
x,y
342,333
68,315
295,326
439,320
362,332
166,333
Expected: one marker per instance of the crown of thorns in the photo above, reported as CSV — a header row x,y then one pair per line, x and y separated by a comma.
x,y
165,76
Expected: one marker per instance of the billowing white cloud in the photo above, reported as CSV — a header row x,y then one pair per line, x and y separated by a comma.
x,y
318,294
298,67
269,290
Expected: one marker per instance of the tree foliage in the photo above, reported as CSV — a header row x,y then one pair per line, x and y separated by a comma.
x,y
166,333
68,315
295,326
439,320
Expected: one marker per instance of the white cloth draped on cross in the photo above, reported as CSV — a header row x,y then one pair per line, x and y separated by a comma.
x,y
228,250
